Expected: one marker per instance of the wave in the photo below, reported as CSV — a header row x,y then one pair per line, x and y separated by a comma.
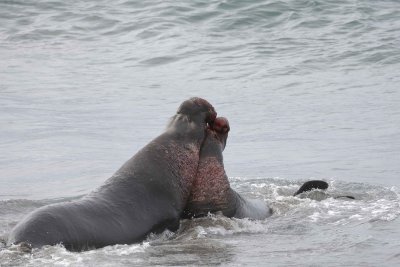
x,y
327,31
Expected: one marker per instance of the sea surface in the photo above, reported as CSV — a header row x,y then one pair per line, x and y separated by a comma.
x,y
311,90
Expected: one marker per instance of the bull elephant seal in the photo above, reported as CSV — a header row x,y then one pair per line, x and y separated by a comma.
x,y
147,194
211,191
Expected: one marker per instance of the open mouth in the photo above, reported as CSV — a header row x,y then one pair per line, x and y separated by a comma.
x,y
219,129
221,125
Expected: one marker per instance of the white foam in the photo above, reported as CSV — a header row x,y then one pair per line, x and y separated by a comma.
x,y
124,250
218,225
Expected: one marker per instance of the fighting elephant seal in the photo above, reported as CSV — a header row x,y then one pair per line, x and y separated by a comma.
x,y
211,191
147,194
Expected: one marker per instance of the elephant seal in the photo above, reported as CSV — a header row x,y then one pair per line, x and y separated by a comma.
x,y
147,194
211,191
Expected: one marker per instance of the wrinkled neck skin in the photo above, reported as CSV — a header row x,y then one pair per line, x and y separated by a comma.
x,y
211,190
191,132
213,145
174,157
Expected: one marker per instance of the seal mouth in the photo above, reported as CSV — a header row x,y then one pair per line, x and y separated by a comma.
x,y
219,130
221,125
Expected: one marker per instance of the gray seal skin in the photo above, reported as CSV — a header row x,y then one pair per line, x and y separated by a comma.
x,y
211,191
147,194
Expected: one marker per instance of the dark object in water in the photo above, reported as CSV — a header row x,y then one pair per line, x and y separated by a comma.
x,y
351,197
316,184
310,185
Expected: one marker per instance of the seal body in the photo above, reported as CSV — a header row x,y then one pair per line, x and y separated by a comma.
x,y
147,194
211,191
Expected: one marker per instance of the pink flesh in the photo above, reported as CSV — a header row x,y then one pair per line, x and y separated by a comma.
x,y
221,125
211,186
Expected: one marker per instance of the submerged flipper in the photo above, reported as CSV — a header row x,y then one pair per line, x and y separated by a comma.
x,y
350,197
310,185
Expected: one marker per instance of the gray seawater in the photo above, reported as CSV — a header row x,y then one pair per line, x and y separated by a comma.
x,y
311,89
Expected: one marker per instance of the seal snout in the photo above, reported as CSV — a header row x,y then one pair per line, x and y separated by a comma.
x,y
221,125
219,129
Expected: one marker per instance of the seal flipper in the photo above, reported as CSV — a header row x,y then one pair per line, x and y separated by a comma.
x,y
310,185
317,184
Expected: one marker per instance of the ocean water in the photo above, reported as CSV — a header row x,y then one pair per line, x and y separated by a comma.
x,y
311,90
